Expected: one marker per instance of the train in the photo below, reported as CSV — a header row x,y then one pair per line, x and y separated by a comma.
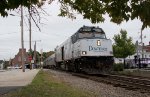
x,y
49,62
87,50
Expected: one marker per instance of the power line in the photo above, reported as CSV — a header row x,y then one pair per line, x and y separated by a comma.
x,y
8,33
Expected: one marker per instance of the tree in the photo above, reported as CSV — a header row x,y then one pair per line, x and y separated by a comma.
x,y
123,45
6,64
94,10
31,53
47,54
6,5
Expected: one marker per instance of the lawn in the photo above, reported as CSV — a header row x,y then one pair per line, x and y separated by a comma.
x,y
44,85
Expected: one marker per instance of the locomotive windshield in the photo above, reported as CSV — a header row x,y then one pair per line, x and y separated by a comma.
x,y
91,33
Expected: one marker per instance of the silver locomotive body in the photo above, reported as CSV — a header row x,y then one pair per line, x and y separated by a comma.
x,y
87,50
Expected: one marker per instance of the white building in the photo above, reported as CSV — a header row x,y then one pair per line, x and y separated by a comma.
x,y
146,52
118,60
145,55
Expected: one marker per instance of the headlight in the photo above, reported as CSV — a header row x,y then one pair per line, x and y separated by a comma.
x,y
84,52
98,42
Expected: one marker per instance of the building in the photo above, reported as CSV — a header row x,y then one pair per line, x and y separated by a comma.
x,y
118,60
146,52
140,57
17,61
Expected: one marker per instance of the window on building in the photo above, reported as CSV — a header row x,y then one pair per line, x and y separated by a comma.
x,y
145,56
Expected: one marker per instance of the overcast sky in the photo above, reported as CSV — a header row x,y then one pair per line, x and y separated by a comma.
x,y
56,30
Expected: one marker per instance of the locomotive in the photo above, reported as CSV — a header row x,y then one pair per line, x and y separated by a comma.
x,y
87,50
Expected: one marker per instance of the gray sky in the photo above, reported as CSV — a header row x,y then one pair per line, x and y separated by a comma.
x,y
56,30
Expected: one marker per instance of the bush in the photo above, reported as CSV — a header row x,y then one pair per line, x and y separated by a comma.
x,y
118,66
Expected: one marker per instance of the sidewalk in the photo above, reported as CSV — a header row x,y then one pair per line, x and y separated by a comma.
x,y
13,79
2,70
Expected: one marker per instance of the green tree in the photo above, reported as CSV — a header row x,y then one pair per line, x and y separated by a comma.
x,y
123,45
94,10
38,55
6,64
31,53
47,54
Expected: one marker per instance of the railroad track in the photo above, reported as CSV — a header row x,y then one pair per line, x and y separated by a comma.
x,y
129,83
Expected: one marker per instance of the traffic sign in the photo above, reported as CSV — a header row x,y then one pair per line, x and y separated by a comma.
x,y
30,58
32,61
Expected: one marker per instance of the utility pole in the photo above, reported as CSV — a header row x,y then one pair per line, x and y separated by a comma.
x,y
35,50
30,28
35,53
137,49
30,50
142,43
41,58
22,42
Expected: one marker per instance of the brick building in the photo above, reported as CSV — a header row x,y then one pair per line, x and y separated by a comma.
x,y
17,59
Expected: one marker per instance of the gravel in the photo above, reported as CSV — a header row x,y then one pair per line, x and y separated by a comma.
x,y
96,88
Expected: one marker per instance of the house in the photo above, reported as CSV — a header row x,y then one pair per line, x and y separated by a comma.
x,y
144,57
146,52
17,61
118,60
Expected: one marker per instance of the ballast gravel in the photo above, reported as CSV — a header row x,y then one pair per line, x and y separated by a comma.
x,y
96,88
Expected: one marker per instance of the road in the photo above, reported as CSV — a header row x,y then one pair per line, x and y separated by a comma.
x,y
14,79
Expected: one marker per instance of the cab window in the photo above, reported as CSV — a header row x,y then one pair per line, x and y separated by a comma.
x,y
99,35
85,35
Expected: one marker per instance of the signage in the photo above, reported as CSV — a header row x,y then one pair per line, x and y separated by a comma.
x,y
97,49
32,61
30,58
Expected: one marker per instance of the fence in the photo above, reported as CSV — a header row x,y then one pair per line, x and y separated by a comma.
x,y
137,63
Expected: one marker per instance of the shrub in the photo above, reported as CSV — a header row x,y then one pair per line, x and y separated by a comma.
x,y
118,66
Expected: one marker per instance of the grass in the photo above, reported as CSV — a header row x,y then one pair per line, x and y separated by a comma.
x,y
44,85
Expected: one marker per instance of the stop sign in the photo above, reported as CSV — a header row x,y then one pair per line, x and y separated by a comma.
x,y
30,58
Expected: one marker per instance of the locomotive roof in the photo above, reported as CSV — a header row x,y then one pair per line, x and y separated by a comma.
x,y
90,29
85,29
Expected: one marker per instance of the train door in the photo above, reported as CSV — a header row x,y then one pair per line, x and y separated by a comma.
x,y
62,53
